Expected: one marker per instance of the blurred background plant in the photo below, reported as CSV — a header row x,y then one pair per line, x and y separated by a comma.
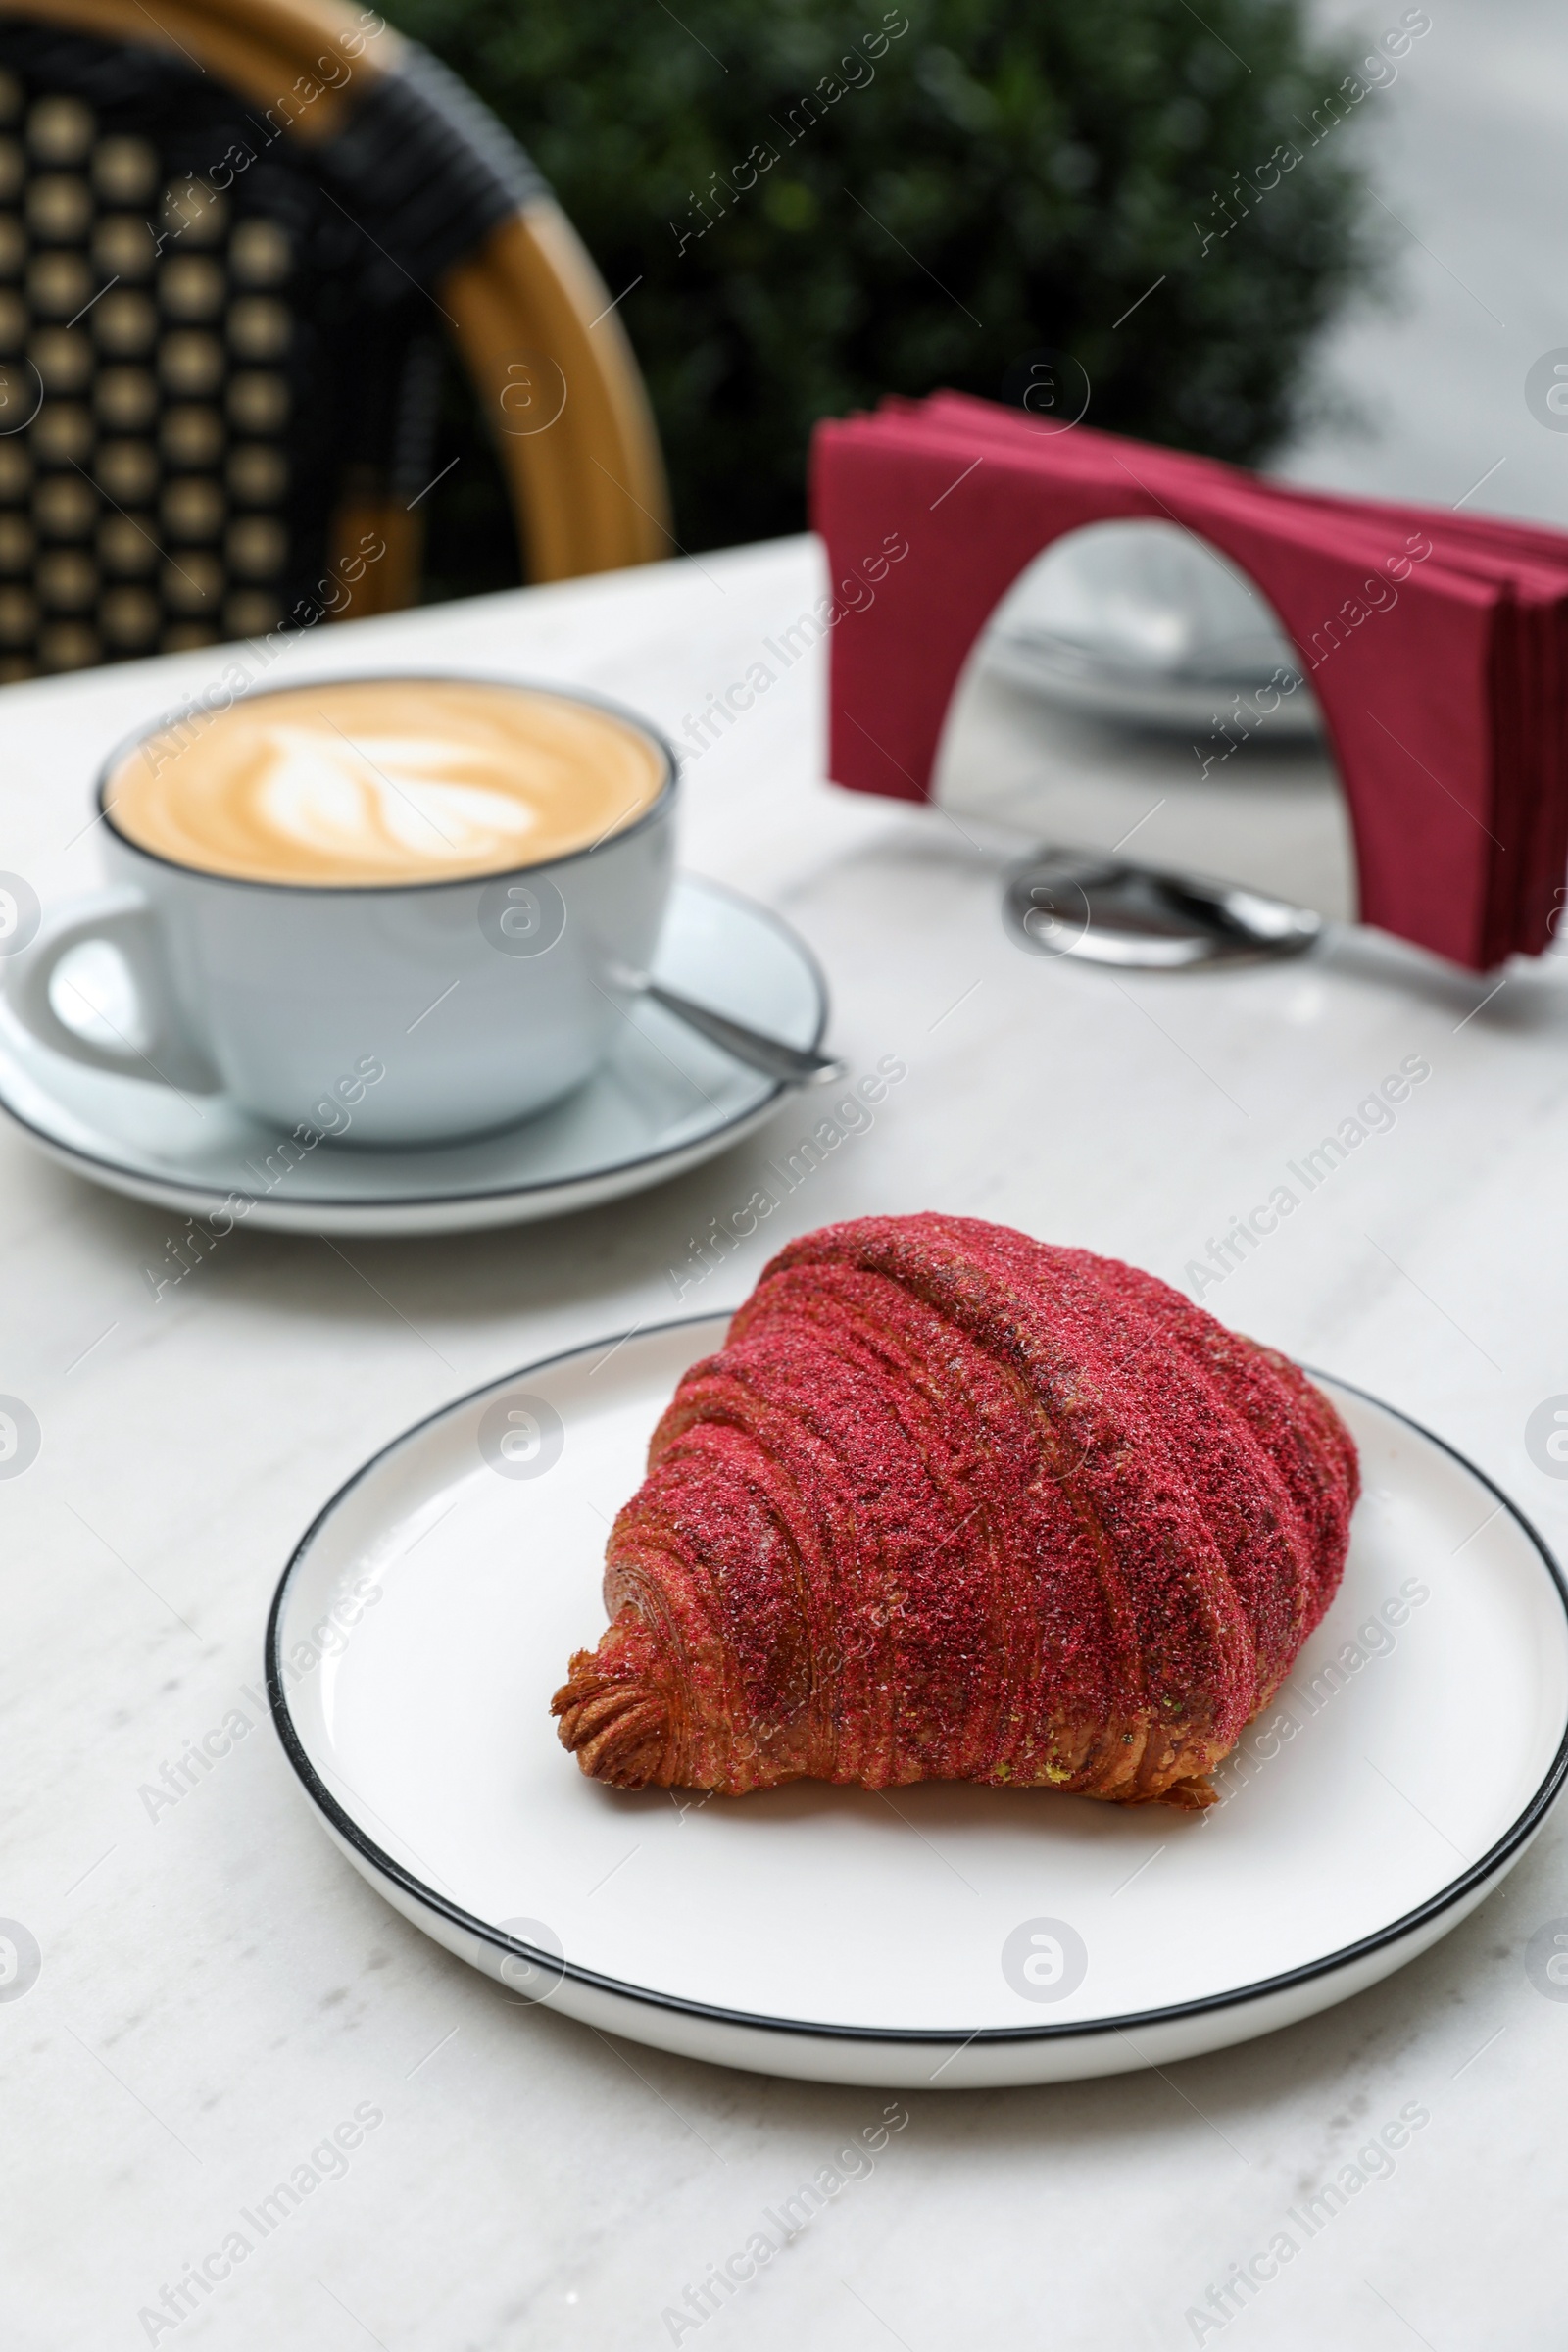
x,y
998,176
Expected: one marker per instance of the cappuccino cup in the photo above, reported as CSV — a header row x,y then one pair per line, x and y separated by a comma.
x,y
429,885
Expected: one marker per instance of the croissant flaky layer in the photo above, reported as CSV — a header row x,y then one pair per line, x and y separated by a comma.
x,y
955,1505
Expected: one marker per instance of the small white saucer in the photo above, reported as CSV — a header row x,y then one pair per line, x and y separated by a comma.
x,y
664,1101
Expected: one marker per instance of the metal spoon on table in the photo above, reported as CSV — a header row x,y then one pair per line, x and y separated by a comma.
x,y
790,1065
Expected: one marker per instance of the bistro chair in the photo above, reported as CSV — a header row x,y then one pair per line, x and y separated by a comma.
x,y
234,238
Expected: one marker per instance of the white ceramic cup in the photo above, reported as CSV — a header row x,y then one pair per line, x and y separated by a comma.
x,y
438,1009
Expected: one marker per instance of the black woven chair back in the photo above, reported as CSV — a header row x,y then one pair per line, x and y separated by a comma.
x,y
216,341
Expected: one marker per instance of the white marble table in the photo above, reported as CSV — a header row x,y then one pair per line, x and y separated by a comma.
x,y
219,1991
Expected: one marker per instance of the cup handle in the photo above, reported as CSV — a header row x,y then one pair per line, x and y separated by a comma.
x,y
125,921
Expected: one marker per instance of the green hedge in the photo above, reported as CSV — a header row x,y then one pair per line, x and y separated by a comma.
x,y
940,202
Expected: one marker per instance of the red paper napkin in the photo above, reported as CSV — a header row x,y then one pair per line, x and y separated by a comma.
x,y
1435,642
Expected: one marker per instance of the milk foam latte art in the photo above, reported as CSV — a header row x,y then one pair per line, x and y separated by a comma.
x,y
384,782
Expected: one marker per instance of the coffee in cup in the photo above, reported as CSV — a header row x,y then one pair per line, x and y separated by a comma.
x,y
449,877
380,782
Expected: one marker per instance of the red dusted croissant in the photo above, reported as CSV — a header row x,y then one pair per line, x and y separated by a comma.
x,y
955,1505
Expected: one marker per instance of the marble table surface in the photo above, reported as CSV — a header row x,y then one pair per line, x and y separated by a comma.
x,y
222,2004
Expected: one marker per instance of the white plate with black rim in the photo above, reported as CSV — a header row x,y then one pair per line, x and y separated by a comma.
x,y
664,1101
946,1935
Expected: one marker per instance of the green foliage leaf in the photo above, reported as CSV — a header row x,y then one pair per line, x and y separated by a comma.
x,y
814,208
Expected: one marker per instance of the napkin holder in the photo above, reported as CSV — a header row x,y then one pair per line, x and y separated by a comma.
x,y
929,515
